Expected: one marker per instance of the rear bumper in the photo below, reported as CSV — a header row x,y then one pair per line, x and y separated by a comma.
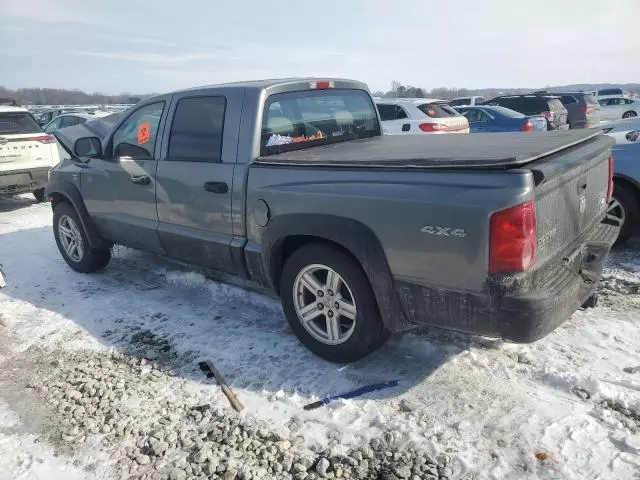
x,y
519,316
15,182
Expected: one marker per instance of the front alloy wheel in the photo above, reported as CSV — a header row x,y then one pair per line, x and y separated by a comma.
x,y
324,304
70,238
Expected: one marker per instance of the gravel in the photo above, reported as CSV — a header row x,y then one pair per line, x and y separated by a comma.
x,y
111,399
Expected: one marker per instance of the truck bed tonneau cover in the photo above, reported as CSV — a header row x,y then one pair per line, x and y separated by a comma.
x,y
487,150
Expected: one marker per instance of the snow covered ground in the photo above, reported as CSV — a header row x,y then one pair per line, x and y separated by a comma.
x,y
565,407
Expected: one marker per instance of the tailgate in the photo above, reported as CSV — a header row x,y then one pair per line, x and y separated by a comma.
x,y
26,151
571,194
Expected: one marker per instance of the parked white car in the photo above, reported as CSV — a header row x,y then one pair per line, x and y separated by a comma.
x,y
620,129
26,153
416,116
467,101
615,108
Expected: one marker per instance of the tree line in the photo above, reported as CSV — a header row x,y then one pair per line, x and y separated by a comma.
x,y
59,96
399,90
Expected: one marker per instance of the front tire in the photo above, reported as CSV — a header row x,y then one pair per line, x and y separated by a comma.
x,y
329,304
73,243
624,207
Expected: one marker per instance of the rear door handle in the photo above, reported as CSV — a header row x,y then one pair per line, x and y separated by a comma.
x,y
216,187
140,179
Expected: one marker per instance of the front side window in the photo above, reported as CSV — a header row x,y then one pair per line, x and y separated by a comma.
x,y
297,120
196,132
136,137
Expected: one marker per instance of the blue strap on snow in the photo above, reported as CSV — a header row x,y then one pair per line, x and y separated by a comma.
x,y
355,393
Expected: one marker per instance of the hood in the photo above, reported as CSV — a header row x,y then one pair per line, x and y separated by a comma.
x,y
99,127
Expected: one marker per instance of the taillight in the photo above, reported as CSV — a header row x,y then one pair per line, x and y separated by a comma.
x,y
44,139
549,115
527,127
610,186
584,108
513,239
432,127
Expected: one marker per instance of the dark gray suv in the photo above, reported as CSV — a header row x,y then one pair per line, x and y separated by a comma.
x,y
548,106
582,107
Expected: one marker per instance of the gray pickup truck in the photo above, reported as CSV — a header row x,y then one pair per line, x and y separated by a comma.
x,y
289,183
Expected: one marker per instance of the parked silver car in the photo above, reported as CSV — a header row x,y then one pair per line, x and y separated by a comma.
x,y
616,108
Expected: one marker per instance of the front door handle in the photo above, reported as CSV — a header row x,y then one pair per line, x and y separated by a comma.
x,y
216,187
140,179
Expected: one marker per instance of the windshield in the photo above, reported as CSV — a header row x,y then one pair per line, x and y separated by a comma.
x,y
437,110
297,120
18,123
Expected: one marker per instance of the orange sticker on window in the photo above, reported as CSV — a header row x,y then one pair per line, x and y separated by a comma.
x,y
144,133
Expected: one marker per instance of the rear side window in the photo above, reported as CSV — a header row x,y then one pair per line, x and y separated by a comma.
x,y
568,99
136,137
435,110
297,120
70,120
17,123
196,132
391,112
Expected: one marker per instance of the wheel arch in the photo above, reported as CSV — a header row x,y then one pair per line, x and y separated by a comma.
x,y
630,184
287,233
63,191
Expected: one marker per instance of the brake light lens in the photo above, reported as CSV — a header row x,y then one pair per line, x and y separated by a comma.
x,y
513,239
610,186
549,115
432,127
584,108
527,127
44,139
321,85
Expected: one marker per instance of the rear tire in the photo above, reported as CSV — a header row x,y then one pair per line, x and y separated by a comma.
x,y
73,243
625,207
305,289
39,195
629,115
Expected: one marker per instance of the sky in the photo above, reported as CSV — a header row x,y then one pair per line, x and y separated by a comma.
x,y
142,46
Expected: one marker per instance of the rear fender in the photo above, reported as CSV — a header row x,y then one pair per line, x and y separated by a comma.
x,y
66,191
349,234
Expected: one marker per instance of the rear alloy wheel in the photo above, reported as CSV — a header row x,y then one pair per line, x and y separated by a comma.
x,y
329,304
624,207
629,115
325,307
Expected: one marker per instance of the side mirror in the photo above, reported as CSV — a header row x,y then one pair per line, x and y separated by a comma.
x,y
87,147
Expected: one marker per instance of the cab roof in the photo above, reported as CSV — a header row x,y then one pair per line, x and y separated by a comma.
x,y
273,82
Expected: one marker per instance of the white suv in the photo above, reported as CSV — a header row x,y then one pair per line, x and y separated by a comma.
x,y
26,153
417,116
